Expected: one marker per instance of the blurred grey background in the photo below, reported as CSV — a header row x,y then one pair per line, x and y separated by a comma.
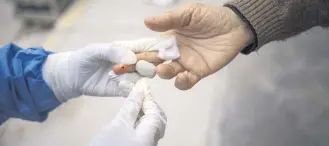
x,y
275,97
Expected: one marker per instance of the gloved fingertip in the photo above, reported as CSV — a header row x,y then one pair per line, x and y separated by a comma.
x,y
145,68
142,84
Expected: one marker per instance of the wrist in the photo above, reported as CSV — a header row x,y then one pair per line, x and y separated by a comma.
x,y
266,17
247,30
55,72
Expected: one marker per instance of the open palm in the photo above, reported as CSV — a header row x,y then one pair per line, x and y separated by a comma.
x,y
208,39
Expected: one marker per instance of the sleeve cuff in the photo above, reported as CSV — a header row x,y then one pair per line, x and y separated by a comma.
x,y
263,17
28,66
24,93
252,47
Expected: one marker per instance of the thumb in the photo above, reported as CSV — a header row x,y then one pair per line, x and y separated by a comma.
x,y
174,19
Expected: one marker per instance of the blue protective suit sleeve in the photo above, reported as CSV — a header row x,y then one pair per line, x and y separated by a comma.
x,y
23,92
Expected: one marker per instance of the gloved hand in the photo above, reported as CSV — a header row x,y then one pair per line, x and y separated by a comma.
x,y
129,128
208,38
85,71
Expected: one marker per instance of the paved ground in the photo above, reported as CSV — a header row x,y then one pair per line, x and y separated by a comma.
x,y
276,97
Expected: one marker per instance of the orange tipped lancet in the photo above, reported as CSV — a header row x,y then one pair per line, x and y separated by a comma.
x,y
124,68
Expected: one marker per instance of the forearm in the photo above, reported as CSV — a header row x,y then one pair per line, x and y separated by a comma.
x,y
274,20
24,93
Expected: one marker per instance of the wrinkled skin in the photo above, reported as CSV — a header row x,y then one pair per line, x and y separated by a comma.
x,y
208,38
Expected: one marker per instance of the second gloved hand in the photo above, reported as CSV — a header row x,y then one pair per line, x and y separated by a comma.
x,y
130,127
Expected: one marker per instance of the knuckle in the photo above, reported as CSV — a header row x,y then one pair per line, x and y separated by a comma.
x,y
190,12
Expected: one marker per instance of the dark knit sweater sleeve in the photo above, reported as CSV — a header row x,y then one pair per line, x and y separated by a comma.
x,y
274,20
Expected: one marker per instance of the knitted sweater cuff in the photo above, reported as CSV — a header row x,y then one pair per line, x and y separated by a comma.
x,y
263,16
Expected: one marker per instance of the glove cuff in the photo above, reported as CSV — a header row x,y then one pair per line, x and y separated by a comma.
x,y
55,73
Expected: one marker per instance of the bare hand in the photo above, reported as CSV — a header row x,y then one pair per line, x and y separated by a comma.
x,y
208,38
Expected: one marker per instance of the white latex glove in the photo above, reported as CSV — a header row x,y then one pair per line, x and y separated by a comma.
x,y
85,71
128,128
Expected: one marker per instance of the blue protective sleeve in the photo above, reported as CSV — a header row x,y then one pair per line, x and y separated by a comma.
x,y
23,92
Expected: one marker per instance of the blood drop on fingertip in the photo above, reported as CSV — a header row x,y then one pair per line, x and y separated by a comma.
x,y
122,68
118,68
